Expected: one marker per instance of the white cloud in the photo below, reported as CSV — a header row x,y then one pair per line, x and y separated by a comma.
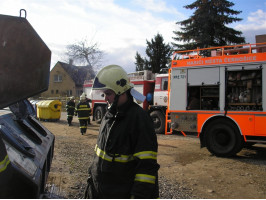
x,y
256,20
159,6
119,31
256,25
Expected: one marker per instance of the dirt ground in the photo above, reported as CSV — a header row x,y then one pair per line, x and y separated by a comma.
x,y
184,166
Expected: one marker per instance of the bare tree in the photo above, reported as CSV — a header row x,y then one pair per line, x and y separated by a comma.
x,y
85,54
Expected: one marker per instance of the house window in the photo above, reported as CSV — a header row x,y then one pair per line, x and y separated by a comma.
x,y
69,92
52,91
56,91
57,78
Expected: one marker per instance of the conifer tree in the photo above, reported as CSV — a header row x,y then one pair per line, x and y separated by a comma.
x,y
158,55
207,26
141,63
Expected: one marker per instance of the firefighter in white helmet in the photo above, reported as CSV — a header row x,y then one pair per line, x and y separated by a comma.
x,y
83,111
125,164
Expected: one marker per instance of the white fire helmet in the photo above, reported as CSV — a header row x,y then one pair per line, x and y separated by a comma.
x,y
112,77
115,78
83,96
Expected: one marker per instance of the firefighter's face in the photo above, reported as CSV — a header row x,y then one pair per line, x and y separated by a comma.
x,y
109,96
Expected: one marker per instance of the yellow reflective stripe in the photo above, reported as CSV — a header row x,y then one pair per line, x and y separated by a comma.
x,y
70,115
83,127
83,106
70,106
4,163
120,158
145,178
83,118
84,109
146,155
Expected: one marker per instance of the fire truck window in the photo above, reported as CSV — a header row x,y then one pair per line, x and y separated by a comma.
x,y
164,83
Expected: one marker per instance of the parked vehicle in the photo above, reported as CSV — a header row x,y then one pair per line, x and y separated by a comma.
x,y
226,87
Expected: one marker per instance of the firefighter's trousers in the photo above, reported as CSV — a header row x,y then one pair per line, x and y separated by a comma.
x,y
69,119
83,125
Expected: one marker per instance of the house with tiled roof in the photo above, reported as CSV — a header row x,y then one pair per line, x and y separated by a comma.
x,y
67,80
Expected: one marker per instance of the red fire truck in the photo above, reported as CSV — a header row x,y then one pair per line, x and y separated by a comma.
x,y
219,94
153,86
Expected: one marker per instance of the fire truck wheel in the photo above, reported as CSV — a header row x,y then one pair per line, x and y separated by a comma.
x,y
158,121
223,138
98,114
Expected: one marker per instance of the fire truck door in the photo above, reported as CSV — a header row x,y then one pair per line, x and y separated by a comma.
x,y
178,89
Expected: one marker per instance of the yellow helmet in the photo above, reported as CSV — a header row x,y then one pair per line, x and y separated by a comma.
x,y
112,77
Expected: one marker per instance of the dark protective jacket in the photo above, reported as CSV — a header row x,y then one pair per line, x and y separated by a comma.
x,y
70,108
83,110
125,163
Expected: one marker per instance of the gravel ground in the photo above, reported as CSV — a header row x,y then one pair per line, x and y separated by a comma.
x,y
186,172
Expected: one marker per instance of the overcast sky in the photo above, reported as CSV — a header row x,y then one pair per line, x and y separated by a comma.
x,y
120,27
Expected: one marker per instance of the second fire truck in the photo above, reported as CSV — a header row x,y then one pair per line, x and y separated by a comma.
x,y
219,94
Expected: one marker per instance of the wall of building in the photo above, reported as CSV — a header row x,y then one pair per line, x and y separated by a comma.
x,y
62,87
261,39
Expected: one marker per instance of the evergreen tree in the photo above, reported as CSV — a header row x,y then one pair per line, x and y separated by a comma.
x,y
158,54
141,63
207,26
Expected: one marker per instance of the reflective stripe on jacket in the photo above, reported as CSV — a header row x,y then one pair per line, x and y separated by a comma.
x,y
70,108
4,163
4,159
83,110
126,155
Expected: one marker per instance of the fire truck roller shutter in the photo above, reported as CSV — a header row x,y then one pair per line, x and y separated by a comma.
x,y
206,76
223,138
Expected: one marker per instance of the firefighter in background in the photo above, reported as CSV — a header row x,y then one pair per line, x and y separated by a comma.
x,y
70,108
83,111
125,163
88,101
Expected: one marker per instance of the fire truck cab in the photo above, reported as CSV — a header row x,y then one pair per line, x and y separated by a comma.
x,y
220,94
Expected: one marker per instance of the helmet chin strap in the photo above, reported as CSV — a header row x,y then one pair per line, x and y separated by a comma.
x,y
113,108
